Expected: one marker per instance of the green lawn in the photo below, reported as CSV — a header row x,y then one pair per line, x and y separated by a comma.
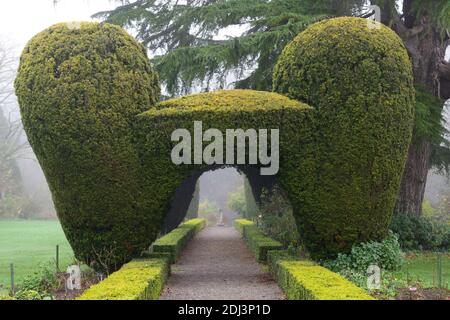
x,y
28,244
421,268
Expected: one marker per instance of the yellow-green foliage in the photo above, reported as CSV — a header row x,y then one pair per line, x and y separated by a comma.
x,y
305,280
243,109
257,242
226,100
360,83
83,91
240,223
174,242
302,280
79,91
198,224
137,280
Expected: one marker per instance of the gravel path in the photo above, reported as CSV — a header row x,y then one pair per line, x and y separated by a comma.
x,y
217,265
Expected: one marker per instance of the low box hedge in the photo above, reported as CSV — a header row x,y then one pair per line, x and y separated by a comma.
x,y
144,278
174,242
240,223
141,279
198,224
257,241
305,280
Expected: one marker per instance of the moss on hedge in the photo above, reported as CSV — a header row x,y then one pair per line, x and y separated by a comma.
x,y
79,92
360,82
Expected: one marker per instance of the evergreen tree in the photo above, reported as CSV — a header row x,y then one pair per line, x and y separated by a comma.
x,y
183,34
423,27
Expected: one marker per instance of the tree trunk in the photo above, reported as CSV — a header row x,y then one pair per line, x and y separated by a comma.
x,y
414,180
427,50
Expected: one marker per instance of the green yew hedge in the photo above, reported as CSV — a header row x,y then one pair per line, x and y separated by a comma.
x,y
89,104
257,242
79,91
174,242
360,83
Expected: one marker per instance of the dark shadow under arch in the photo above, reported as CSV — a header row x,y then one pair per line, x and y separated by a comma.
x,y
185,192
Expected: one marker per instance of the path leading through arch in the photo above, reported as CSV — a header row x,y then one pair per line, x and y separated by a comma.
x,y
216,264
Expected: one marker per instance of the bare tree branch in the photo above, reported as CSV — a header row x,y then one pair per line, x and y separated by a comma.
x,y
13,145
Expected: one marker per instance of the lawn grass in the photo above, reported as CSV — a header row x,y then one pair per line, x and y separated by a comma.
x,y
421,268
29,243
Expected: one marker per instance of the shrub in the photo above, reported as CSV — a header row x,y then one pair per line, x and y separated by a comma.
x,y
305,280
174,242
274,256
79,91
421,233
28,295
276,218
39,284
360,83
428,210
257,242
386,254
137,280
196,224
240,223
221,110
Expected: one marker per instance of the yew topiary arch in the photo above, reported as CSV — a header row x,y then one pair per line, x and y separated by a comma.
x,y
88,100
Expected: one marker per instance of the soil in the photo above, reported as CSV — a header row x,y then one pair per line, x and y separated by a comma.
x,y
63,294
423,294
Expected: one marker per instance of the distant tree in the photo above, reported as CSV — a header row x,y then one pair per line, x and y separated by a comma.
x,y
236,201
10,149
12,144
184,35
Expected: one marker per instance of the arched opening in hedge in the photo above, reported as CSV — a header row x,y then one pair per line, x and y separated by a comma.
x,y
195,188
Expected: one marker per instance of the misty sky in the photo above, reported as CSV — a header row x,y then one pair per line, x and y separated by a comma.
x,y
20,20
